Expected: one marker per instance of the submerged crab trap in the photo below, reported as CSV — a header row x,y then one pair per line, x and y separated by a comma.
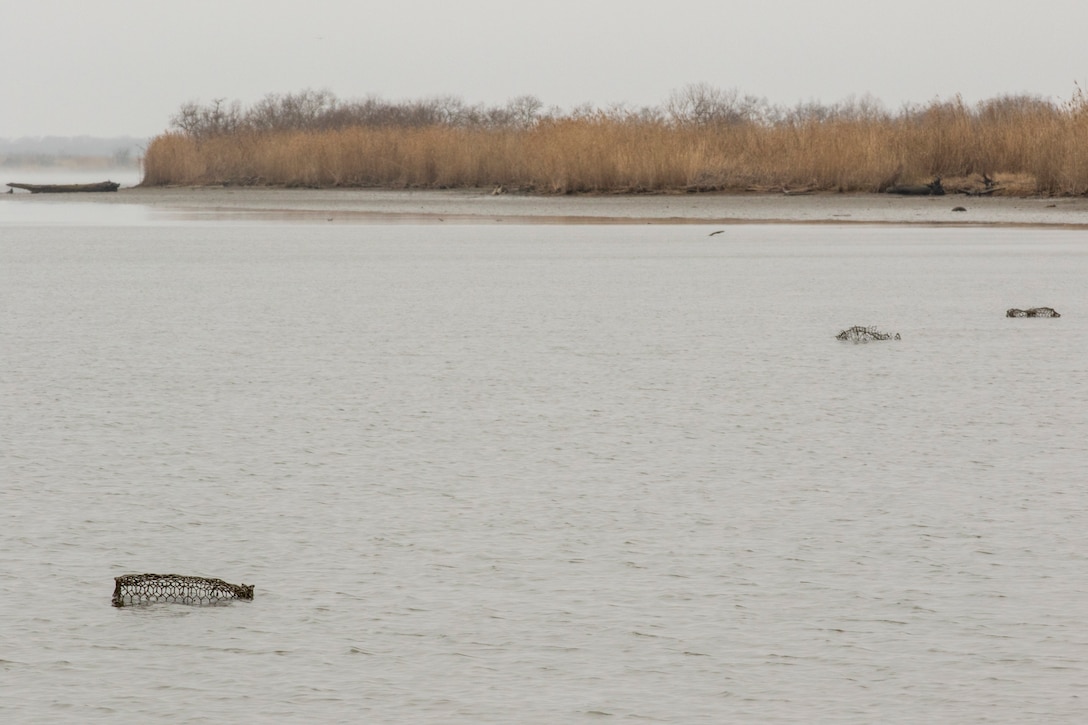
x,y
858,333
134,589
1032,312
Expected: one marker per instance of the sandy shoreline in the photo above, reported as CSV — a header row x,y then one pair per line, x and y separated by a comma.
x,y
480,207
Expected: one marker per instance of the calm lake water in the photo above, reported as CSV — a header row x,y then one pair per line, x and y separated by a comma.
x,y
542,474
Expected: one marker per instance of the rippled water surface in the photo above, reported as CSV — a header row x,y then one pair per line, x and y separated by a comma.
x,y
542,474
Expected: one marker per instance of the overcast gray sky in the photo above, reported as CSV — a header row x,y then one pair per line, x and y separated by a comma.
x,y
122,67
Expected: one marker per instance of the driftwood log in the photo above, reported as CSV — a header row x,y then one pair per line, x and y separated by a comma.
x,y
134,589
988,187
66,188
933,188
1032,312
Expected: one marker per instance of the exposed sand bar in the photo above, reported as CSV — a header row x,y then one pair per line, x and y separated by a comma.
x,y
479,207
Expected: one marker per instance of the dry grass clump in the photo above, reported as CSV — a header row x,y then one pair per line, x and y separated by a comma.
x,y
704,140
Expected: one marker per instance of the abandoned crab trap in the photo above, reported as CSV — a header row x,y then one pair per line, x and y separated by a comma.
x,y
136,589
1032,312
859,333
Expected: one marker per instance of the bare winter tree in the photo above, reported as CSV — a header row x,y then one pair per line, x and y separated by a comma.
x,y
700,104
218,117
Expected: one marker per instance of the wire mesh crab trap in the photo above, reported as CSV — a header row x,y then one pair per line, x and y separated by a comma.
x,y
1032,312
858,333
135,589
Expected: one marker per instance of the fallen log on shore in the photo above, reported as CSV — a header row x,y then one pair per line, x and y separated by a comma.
x,y
66,188
933,188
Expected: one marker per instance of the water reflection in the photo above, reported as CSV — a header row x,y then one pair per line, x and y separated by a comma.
x,y
16,212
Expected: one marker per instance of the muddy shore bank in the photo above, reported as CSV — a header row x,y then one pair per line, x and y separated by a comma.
x,y
479,207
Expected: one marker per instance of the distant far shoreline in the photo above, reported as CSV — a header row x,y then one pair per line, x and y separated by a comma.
x,y
702,140
474,206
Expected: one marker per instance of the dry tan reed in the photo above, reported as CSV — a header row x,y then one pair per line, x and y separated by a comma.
x,y
1009,138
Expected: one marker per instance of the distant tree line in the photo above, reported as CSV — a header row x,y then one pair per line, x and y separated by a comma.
x,y
69,151
311,110
695,105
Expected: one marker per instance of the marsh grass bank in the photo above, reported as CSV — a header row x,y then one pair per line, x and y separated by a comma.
x,y
702,140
